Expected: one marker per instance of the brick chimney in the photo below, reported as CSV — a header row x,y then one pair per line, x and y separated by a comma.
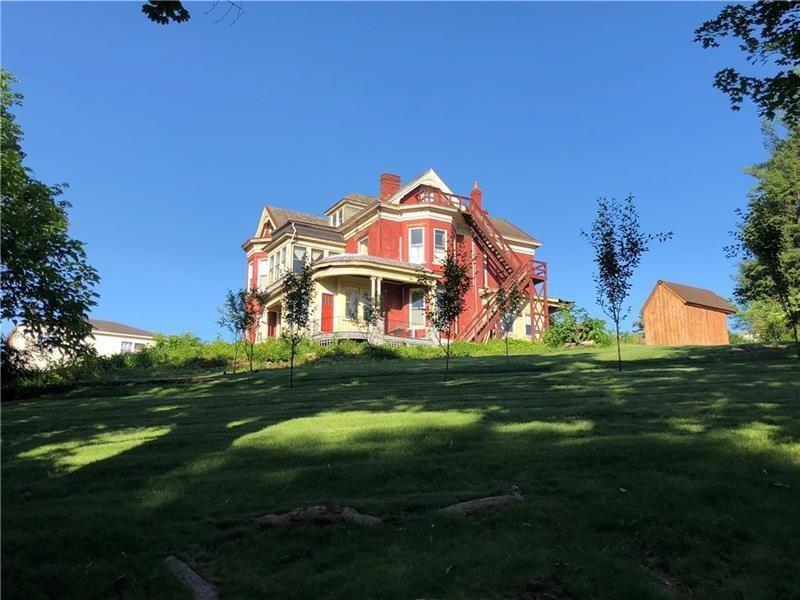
x,y
476,196
390,183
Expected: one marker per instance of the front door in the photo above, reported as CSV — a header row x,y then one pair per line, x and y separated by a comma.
x,y
326,325
272,323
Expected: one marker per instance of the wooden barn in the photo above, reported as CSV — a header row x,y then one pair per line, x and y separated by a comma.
x,y
682,315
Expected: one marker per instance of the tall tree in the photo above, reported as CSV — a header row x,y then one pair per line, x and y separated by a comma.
x,y
47,283
768,33
509,304
444,298
297,290
618,244
768,234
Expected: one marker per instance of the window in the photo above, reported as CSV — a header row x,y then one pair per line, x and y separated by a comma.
x,y
527,324
316,254
137,347
353,298
271,267
263,273
439,244
417,309
363,246
127,347
248,283
299,258
416,245
336,218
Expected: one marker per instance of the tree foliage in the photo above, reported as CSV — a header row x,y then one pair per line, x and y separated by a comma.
x,y
166,11
618,244
444,298
47,283
368,320
241,313
768,234
297,291
573,325
768,32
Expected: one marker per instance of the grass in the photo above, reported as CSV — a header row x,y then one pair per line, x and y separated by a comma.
x,y
679,477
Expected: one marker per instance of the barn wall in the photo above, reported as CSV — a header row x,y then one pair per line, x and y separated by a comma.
x,y
669,322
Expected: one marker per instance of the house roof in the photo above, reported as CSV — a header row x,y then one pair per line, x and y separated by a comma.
x,y
118,328
281,216
361,198
507,228
326,233
699,297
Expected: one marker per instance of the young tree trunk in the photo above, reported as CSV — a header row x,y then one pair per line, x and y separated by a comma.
x,y
291,363
619,350
507,359
447,357
796,342
250,357
235,354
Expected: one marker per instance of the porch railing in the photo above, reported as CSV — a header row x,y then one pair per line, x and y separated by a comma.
x,y
401,328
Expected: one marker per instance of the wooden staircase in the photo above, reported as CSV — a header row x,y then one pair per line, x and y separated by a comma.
x,y
529,276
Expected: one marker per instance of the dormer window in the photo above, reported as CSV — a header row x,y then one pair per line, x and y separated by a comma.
x,y
336,218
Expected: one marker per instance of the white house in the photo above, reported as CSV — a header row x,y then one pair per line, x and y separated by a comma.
x,y
107,338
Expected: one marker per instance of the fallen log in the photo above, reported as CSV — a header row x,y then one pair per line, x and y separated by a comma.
x,y
201,589
470,506
317,514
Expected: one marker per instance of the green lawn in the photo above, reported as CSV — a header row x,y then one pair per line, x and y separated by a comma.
x,y
679,477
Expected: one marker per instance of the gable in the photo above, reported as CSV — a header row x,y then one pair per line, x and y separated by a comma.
x,y
429,177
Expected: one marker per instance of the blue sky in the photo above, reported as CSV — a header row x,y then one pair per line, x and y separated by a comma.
x,y
172,138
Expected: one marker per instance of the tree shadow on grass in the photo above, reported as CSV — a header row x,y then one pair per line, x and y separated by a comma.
x,y
691,439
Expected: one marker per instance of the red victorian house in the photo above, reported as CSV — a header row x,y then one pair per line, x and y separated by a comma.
x,y
366,245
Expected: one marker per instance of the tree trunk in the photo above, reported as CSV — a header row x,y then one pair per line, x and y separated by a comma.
x,y
447,357
796,342
235,354
291,364
507,360
619,350
250,357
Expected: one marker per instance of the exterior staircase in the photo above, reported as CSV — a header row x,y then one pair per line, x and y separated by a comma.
x,y
530,277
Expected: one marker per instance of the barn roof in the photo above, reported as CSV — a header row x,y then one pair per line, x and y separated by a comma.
x,y
696,296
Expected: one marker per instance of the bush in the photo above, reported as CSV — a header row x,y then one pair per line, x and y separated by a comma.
x,y
766,321
574,326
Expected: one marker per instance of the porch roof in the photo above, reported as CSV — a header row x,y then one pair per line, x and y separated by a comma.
x,y
365,258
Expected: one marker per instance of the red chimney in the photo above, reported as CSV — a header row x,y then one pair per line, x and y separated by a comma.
x,y
476,196
390,183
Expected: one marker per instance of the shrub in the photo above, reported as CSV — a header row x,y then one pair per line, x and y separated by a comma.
x,y
574,326
766,321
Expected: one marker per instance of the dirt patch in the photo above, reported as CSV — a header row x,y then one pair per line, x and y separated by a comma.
x,y
321,515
